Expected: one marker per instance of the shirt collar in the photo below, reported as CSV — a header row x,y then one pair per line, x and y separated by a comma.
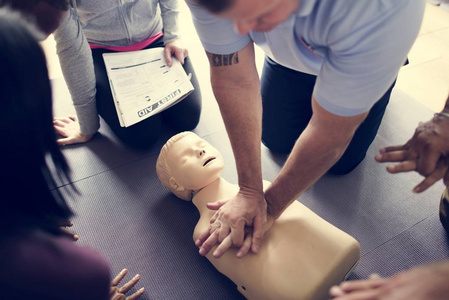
x,y
305,7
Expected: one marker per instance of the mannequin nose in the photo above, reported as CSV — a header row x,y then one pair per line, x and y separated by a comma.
x,y
201,152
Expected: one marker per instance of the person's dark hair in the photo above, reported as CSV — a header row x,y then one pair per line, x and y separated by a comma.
x,y
216,6
27,5
31,157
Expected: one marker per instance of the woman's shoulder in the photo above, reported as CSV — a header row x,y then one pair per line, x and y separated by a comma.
x,y
42,264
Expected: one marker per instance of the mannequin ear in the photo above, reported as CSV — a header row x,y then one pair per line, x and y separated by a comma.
x,y
174,185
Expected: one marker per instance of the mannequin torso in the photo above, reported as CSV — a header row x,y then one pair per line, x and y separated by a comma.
x,y
301,257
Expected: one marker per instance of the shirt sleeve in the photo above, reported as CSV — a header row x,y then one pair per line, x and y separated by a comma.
x,y
169,14
217,35
363,61
46,267
77,67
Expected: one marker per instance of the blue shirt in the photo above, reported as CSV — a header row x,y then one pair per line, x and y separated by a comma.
x,y
355,47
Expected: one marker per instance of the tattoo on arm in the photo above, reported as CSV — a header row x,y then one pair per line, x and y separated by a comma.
x,y
219,60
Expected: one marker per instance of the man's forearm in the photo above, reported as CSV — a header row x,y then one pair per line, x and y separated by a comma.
x,y
318,148
308,161
241,110
237,90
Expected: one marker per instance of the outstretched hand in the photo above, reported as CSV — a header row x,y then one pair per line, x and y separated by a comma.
x,y
70,130
175,48
118,293
428,282
426,153
239,222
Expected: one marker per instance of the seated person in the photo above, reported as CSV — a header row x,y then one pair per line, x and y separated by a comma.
x,y
37,260
301,256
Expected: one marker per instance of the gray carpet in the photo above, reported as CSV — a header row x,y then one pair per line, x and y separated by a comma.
x,y
124,212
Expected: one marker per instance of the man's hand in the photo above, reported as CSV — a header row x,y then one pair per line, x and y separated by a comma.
x,y
70,130
429,282
233,216
426,153
175,48
118,293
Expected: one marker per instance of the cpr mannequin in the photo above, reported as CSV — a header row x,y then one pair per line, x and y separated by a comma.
x,y
301,256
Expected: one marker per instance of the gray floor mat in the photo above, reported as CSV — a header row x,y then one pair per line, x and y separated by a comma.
x,y
125,212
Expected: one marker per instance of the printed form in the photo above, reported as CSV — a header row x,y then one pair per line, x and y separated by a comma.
x,y
143,85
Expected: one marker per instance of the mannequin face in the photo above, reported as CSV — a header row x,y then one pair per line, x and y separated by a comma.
x,y
193,163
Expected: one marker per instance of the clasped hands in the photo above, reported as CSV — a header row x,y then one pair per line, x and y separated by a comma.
x,y
427,153
240,222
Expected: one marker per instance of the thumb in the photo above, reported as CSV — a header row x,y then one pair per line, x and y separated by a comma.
x,y
258,234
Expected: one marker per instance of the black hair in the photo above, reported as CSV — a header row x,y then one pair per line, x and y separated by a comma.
x,y
27,4
31,157
216,6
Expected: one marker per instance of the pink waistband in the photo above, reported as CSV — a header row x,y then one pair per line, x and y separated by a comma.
x,y
139,46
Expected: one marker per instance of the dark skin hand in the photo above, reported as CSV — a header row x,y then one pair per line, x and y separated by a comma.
x,y
427,153
118,293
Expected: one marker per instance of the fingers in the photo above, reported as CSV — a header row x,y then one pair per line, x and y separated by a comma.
x,y
405,166
392,148
244,249
66,223
181,54
60,130
167,55
356,285
118,293
62,121
119,277
223,247
360,295
215,206
69,233
66,141
238,233
130,284
203,237
427,162
433,177
392,156
336,291
209,243
223,232
258,233
136,294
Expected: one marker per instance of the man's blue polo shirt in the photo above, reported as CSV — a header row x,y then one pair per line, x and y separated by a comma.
x,y
355,47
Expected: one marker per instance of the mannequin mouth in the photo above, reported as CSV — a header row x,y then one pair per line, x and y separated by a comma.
x,y
208,161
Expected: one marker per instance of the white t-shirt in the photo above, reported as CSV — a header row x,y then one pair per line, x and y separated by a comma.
x,y
355,47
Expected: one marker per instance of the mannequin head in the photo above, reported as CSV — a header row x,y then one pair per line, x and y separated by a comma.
x,y
188,163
